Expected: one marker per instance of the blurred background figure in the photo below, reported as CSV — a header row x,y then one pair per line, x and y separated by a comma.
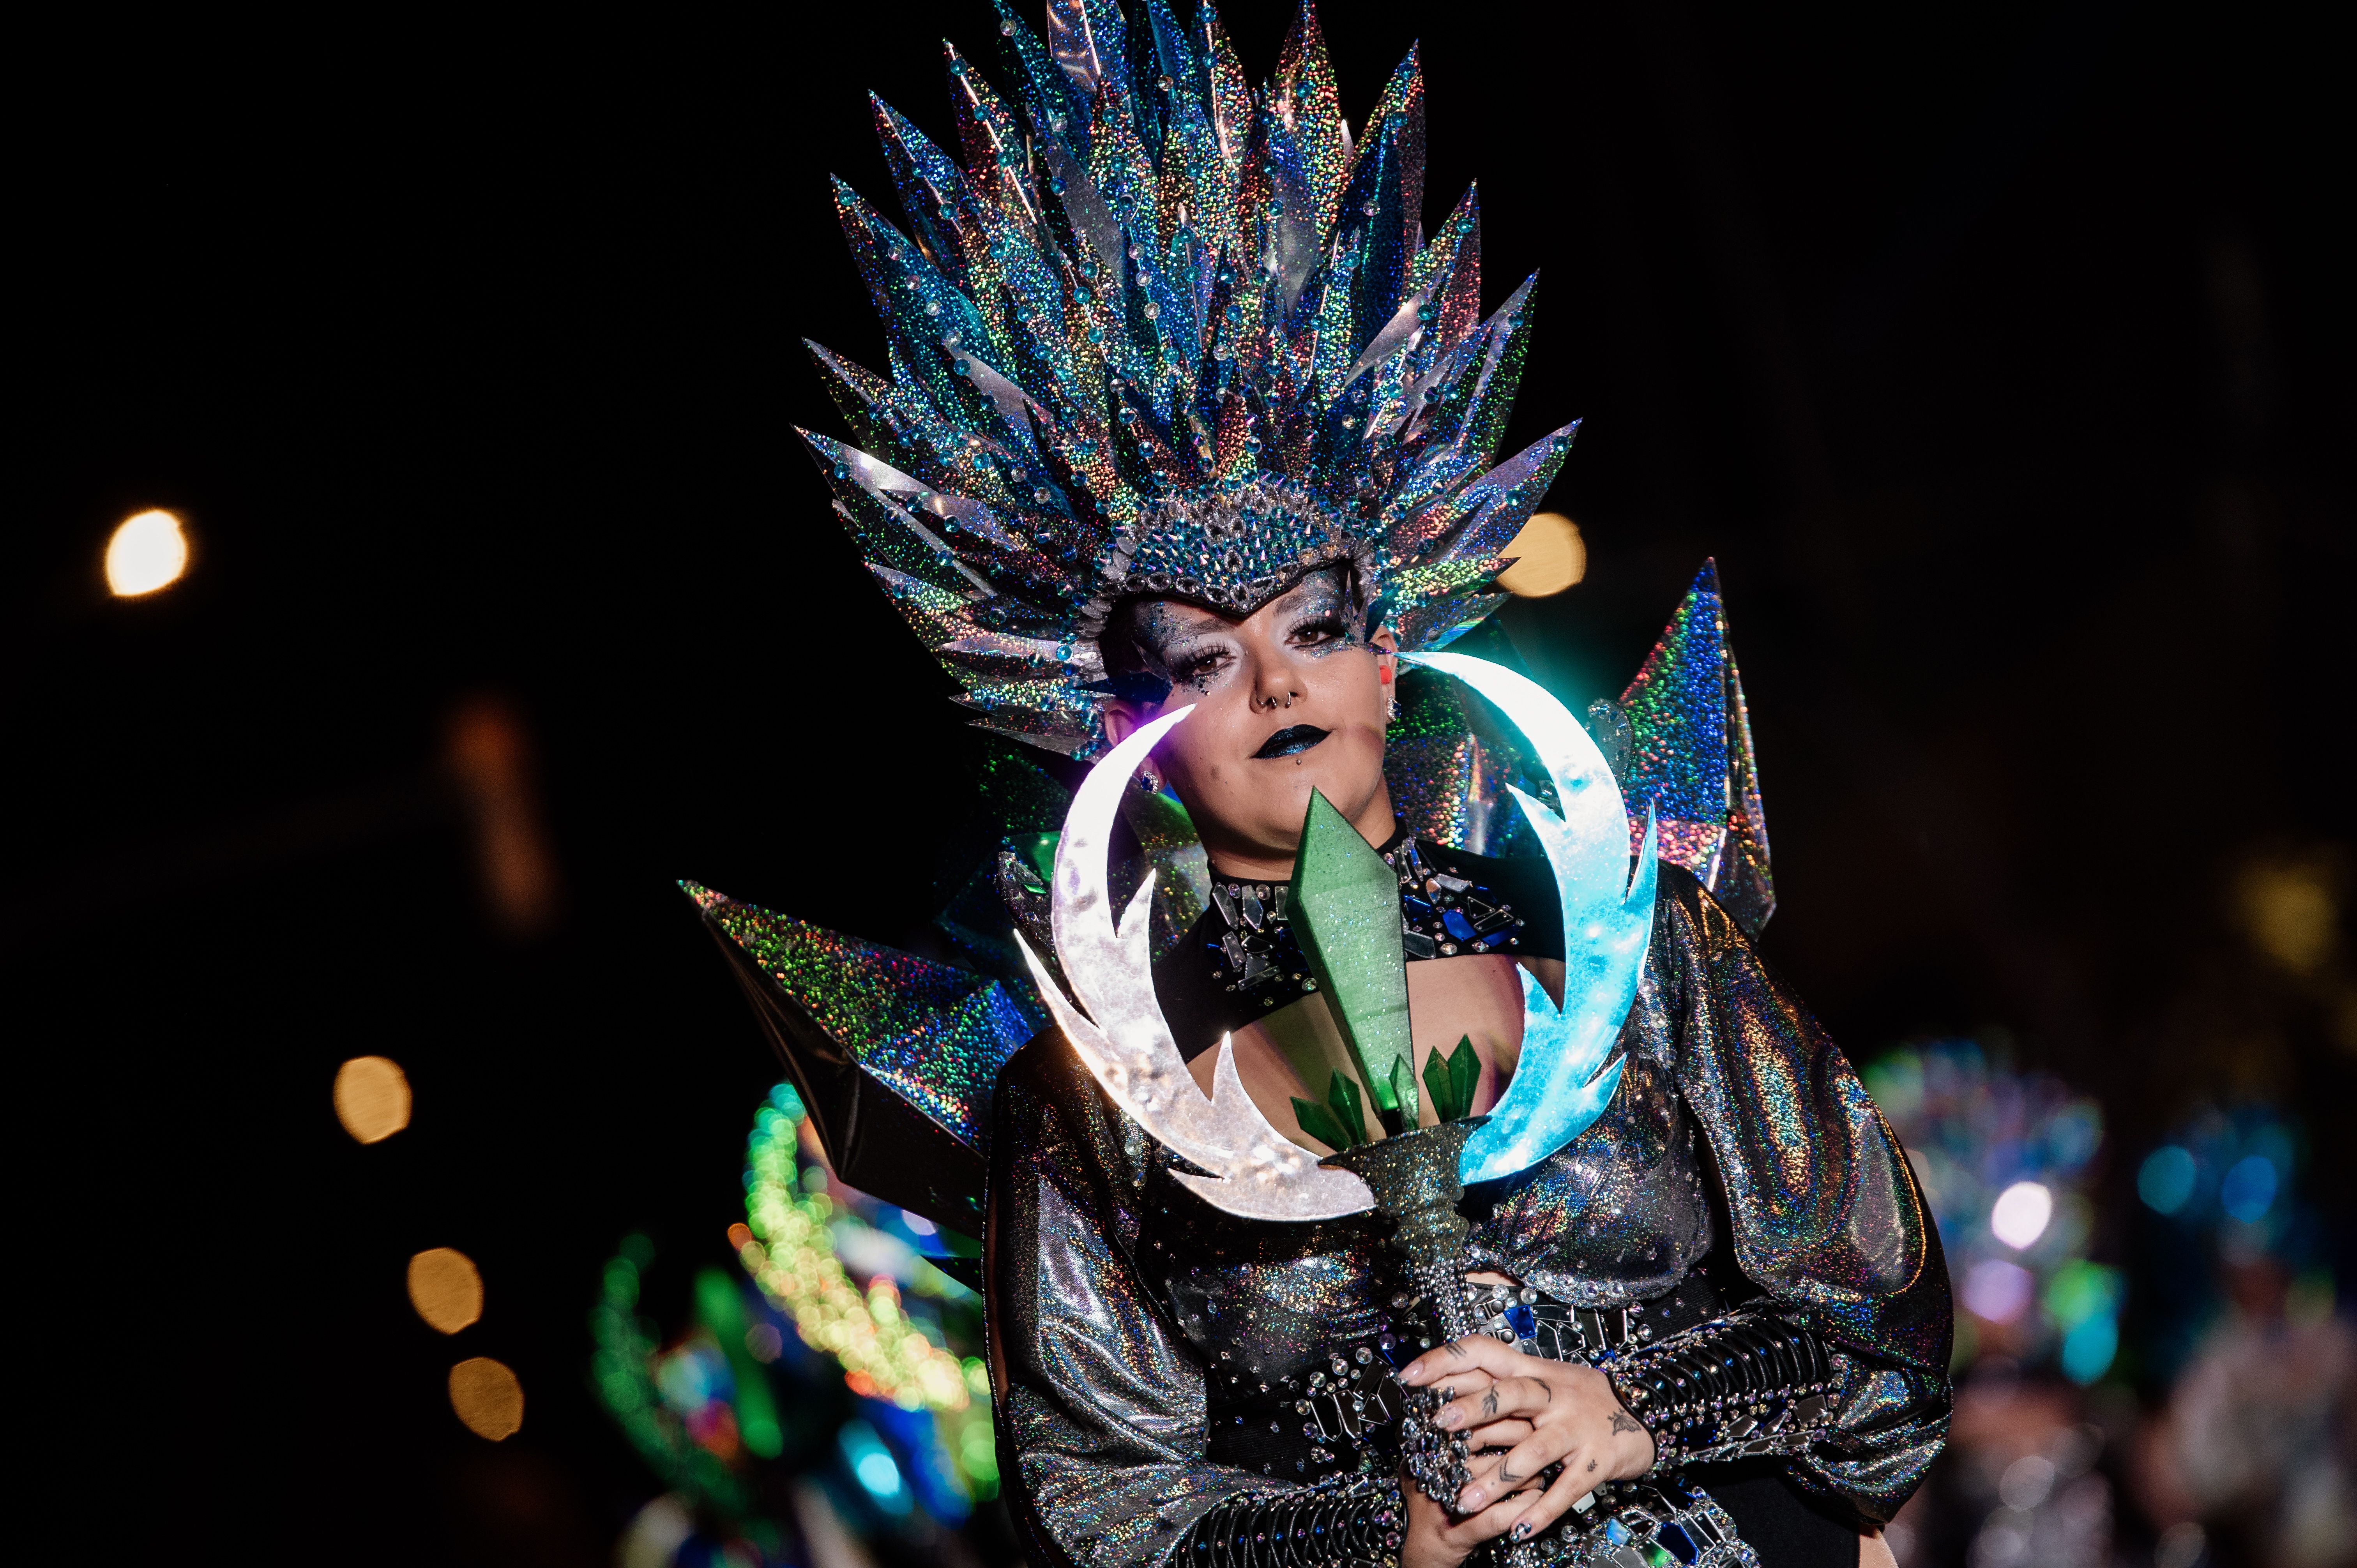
x,y
2008,1162
2253,1456
821,1403
2196,1404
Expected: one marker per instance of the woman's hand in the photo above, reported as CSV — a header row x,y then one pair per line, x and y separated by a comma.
x,y
1541,1412
1435,1539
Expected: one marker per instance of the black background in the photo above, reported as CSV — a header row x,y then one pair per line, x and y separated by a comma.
x,y
1999,354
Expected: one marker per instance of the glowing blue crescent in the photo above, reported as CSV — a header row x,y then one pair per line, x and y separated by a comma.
x,y
1607,923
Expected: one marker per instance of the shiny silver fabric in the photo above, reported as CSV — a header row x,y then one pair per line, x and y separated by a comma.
x,y
1133,1325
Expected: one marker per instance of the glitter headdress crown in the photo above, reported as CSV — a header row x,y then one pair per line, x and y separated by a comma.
x,y
1166,335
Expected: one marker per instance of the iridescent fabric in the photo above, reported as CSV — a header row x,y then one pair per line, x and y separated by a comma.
x,y
1139,1334
1153,333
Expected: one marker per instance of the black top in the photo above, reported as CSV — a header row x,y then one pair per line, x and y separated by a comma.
x,y
1240,963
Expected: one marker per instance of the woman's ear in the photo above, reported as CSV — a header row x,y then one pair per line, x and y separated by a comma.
x,y
1120,721
1386,646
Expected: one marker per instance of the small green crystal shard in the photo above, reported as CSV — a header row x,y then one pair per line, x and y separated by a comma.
x,y
1346,914
1037,854
1450,1082
1342,1127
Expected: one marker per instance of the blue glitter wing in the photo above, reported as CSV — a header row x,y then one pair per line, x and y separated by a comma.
x,y
1691,761
1607,922
1149,332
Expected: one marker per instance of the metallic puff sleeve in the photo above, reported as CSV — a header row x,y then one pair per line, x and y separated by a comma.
x,y
1826,1216
1101,1429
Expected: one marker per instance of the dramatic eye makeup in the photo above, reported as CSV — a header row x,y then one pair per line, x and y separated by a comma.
x,y
1318,617
1188,647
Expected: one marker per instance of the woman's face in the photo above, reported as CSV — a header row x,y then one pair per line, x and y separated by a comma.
x,y
1295,696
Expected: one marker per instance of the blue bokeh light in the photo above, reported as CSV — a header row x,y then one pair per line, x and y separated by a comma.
x,y
873,1467
2249,1190
2165,1181
2088,1349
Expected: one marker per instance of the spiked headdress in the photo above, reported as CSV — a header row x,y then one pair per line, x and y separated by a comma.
x,y
1164,335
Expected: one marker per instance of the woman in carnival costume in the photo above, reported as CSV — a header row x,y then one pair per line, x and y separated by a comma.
x,y
1186,464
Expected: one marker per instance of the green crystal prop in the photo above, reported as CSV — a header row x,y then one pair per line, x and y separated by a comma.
x,y
1346,916
1450,1082
1345,913
1340,1122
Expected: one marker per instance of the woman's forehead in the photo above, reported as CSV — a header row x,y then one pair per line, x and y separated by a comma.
x,y
1170,616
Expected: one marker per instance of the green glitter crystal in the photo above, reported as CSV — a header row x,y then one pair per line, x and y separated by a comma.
x,y
1340,1122
1451,1081
1345,912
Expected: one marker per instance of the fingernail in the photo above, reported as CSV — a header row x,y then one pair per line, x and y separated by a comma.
x,y
1469,1500
1448,1419
1521,1528
1412,1373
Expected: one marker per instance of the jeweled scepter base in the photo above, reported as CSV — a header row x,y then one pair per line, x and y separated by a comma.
x,y
1413,1176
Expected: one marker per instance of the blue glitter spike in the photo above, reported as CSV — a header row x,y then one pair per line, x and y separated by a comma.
x,y
931,187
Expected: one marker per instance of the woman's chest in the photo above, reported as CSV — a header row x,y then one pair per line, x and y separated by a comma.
x,y
1297,1052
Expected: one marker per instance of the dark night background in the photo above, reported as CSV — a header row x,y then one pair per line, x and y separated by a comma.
x,y
1996,352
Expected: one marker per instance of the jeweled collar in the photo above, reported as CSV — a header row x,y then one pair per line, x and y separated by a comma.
x,y
1441,916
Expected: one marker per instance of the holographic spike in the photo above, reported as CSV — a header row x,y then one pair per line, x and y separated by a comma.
x,y
868,496
1148,306
1691,757
1227,101
1308,101
931,187
1046,91
1086,38
895,1055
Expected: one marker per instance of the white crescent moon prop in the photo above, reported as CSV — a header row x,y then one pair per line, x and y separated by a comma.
x,y
1257,1172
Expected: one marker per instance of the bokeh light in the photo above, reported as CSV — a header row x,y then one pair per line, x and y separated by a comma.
x,y
2249,1190
2020,1215
445,1288
790,1251
2292,912
372,1097
873,1467
487,1398
1548,556
146,552
2165,1180
1997,1290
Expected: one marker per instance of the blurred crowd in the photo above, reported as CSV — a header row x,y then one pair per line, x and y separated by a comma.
x,y
2195,1403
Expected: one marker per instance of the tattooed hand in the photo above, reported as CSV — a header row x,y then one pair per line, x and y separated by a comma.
x,y
1530,1413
